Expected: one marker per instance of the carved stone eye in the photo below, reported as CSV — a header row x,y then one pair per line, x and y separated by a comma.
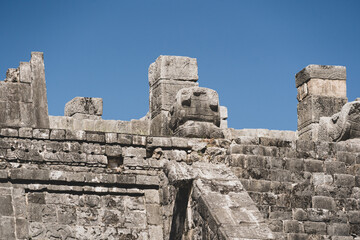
x,y
214,107
186,102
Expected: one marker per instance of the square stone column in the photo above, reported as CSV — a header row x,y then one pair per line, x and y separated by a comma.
x,y
321,93
23,100
167,75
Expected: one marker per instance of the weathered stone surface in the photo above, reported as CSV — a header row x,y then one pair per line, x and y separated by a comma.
x,y
223,117
323,202
38,87
321,93
198,130
167,76
343,125
321,87
174,68
25,72
41,133
6,208
320,72
25,132
94,179
84,105
313,107
179,173
12,75
195,113
197,104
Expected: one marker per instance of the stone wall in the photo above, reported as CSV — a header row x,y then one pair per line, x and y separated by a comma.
x,y
301,188
81,177
62,188
23,97
305,189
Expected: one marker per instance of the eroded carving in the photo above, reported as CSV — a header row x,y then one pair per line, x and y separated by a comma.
x,y
343,125
195,113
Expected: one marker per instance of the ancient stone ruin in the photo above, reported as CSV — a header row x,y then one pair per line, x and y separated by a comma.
x,y
179,172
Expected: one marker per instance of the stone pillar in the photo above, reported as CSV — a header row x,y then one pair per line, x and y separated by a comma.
x,y
167,75
321,93
23,101
38,87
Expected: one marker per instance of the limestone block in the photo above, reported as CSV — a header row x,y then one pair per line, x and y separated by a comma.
x,y
178,173
113,151
153,214
110,137
223,112
38,86
152,196
163,93
124,139
95,137
18,92
155,232
321,87
27,117
57,134
153,142
139,127
173,67
223,124
22,228
75,135
25,72
159,125
82,116
139,140
198,130
338,229
354,216
299,214
344,180
7,227
309,132
147,180
313,107
41,133
323,203
84,105
320,72
6,208
9,132
223,117
292,226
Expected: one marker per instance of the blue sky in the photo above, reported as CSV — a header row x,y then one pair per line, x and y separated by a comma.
x,y
248,51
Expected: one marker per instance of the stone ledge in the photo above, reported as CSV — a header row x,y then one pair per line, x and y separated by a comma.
x,y
328,72
79,178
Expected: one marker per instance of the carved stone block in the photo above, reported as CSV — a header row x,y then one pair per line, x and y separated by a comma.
x,y
84,105
196,113
342,125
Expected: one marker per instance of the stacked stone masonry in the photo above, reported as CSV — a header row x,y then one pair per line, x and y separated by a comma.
x,y
81,177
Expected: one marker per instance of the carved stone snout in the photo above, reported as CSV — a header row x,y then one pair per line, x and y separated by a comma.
x,y
195,113
343,125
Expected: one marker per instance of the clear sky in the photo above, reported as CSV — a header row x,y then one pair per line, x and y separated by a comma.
x,y
248,51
